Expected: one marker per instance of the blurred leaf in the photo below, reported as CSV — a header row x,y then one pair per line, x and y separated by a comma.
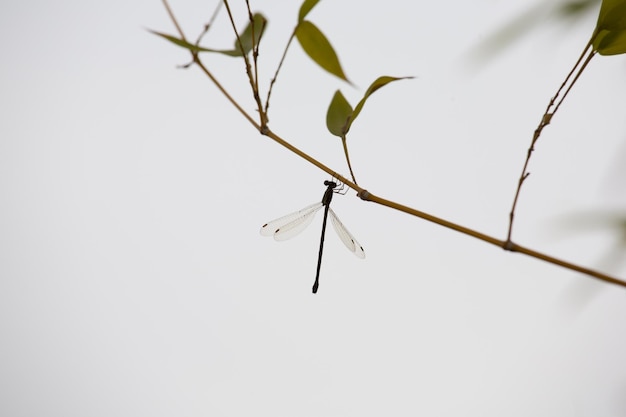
x,y
182,43
594,222
246,39
610,33
575,7
318,48
534,17
338,115
378,83
257,26
306,8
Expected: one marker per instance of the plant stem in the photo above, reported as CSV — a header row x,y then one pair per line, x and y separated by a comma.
x,y
506,245
345,151
545,121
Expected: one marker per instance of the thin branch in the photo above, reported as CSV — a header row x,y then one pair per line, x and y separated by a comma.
x,y
255,50
345,151
267,132
545,121
173,19
208,25
255,56
506,245
280,65
251,77
578,74
180,32
228,96
239,43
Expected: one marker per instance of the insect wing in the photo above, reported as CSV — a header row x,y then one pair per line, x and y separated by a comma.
x,y
345,236
290,225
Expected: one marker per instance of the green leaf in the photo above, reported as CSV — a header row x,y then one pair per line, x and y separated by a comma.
x,y
610,43
610,15
259,24
306,8
182,43
318,48
610,34
378,83
338,115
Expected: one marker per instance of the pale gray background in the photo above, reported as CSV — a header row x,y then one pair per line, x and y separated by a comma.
x,y
133,278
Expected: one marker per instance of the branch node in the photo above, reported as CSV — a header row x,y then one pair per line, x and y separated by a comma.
x,y
509,246
547,118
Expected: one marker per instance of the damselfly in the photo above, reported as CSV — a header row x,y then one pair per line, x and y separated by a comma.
x,y
290,225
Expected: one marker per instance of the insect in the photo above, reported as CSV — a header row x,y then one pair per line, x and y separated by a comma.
x,y
290,225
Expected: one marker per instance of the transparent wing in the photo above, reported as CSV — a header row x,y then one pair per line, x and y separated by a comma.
x,y
290,225
345,236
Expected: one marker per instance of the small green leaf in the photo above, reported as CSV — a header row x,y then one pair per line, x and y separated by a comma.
x,y
306,7
338,115
182,43
378,83
318,48
610,34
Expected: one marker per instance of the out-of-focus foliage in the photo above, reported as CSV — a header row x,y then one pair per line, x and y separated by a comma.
x,y
569,12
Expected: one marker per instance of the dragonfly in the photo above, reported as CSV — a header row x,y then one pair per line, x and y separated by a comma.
x,y
292,224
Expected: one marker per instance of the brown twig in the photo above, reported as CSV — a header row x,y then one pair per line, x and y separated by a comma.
x,y
251,78
545,121
506,245
345,151
173,19
255,56
255,51
280,65
228,96
208,25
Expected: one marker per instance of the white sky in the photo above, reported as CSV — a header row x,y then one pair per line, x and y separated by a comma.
x,y
134,281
